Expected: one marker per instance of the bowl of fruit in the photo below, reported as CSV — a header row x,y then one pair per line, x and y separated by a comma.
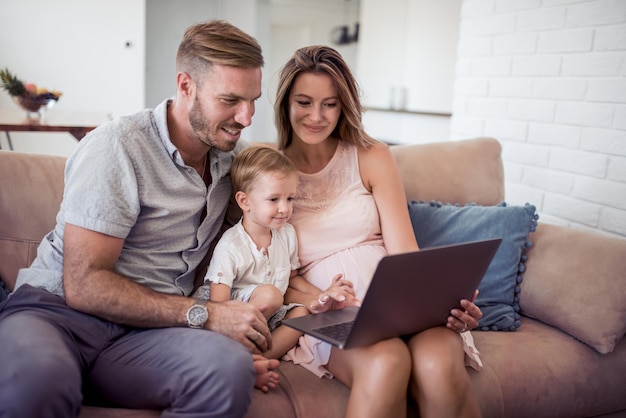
x,y
28,96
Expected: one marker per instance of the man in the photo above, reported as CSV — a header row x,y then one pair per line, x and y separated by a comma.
x,y
105,309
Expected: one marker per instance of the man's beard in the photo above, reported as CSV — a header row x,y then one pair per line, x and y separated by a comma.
x,y
201,127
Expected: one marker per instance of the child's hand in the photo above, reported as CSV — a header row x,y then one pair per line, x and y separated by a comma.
x,y
339,295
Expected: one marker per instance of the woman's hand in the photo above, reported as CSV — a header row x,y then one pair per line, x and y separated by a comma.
x,y
338,295
461,321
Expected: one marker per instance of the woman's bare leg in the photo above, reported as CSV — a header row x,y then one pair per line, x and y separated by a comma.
x,y
378,376
440,383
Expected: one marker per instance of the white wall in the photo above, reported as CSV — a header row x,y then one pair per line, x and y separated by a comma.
x,y
548,79
78,47
163,39
410,45
406,60
82,45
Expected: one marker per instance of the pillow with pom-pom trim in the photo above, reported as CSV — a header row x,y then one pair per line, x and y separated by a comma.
x,y
436,224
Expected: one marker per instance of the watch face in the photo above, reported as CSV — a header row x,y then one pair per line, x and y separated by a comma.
x,y
197,316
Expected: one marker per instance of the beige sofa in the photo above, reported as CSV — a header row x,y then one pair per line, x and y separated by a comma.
x,y
573,295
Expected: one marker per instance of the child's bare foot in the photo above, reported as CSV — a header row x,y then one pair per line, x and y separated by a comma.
x,y
266,377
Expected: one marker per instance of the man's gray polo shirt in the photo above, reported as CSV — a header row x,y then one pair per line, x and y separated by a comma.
x,y
126,179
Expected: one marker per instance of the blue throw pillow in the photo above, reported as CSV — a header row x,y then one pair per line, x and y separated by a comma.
x,y
437,224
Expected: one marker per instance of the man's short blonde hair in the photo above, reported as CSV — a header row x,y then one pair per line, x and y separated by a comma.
x,y
216,42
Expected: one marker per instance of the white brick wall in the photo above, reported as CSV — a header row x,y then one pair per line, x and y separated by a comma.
x,y
548,79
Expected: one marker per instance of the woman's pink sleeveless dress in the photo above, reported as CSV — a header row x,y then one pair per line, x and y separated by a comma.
x,y
338,228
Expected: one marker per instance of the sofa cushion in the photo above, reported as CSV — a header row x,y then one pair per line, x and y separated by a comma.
x,y
585,273
437,224
540,372
469,170
31,188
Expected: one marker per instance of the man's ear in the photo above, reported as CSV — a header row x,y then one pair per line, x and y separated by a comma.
x,y
242,200
185,84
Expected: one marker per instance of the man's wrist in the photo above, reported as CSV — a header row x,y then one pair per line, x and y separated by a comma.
x,y
197,315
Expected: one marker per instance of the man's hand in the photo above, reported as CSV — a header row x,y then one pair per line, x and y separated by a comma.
x,y
243,322
338,295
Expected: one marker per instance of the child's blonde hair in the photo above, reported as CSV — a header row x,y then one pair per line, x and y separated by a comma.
x,y
253,161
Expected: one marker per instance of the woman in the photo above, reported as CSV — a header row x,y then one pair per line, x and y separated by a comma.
x,y
350,211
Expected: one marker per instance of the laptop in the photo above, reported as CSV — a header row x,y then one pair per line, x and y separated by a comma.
x,y
408,293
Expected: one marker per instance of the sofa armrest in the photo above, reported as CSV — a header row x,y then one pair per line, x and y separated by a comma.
x,y
575,281
467,171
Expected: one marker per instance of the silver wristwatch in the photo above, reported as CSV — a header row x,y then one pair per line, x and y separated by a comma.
x,y
197,314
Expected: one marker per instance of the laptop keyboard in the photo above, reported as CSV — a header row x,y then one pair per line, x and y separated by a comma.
x,y
337,331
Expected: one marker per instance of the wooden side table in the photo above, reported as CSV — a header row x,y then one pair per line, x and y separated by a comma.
x,y
78,124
